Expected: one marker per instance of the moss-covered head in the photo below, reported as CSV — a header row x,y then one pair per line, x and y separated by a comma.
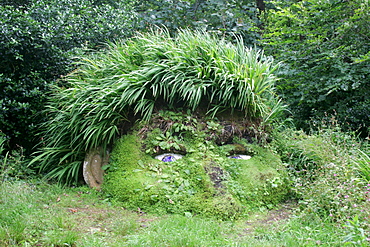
x,y
205,181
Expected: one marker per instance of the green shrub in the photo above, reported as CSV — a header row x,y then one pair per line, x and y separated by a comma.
x,y
325,52
227,18
324,173
15,3
39,41
13,164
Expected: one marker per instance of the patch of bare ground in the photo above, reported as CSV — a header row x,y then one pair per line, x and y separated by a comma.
x,y
98,217
89,215
270,218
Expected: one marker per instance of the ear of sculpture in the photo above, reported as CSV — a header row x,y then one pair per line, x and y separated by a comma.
x,y
93,173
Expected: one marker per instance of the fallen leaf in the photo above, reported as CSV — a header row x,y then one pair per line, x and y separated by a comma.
x,y
72,210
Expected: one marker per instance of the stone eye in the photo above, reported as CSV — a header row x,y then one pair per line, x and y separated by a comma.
x,y
240,156
168,157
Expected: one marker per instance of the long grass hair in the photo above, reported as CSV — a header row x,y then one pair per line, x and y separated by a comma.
x,y
193,68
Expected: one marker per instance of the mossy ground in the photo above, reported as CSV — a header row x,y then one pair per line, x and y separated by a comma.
x,y
204,182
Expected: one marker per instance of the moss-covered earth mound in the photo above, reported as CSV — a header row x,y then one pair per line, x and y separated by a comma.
x,y
208,180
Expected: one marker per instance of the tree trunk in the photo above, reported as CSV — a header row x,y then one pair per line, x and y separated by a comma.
x,y
260,5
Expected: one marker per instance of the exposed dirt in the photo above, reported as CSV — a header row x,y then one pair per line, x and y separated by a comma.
x,y
269,218
216,175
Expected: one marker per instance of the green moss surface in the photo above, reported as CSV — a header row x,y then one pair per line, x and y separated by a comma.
x,y
204,182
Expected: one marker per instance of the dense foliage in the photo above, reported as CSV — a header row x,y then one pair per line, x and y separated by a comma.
x,y
38,42
227,18
327,172
325,49
329,177
327,38
153,71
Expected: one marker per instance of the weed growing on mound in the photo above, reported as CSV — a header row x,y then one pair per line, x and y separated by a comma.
x,y
203,182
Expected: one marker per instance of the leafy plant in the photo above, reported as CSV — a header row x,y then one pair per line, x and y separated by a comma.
x,y
165,142
363,165
324,49
12,164
39,40
227,18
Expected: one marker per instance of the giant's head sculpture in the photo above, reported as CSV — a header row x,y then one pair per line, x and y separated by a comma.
x,y
181,114
179,163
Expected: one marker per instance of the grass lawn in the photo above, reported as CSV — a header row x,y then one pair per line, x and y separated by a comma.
x,y
33,213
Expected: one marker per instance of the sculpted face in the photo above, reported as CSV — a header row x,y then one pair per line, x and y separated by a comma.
x,y
189,164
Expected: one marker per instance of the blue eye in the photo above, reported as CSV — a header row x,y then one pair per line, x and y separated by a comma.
x,y
240,156
168,157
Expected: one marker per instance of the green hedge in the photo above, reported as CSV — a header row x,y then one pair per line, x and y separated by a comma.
x,y
38,42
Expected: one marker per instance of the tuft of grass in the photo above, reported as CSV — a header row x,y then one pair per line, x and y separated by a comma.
x,y
177,230
36,214
15,206
362,164
60,238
